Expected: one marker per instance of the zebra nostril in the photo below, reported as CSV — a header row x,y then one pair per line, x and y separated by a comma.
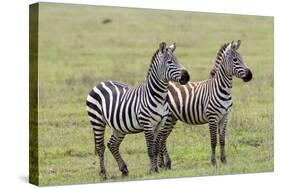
x,y
184,77
248,76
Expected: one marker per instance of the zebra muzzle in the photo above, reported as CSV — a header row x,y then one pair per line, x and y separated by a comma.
x,y
248,76
184,77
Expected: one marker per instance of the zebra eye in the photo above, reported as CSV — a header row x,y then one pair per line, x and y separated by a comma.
x,y
169,62
235,59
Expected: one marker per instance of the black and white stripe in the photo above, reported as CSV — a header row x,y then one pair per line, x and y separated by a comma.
x,y
128,110
207,101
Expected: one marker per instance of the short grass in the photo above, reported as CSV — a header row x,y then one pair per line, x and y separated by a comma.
x,y
78,48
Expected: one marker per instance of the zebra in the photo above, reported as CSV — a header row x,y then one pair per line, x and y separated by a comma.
x,y
130,110
207,101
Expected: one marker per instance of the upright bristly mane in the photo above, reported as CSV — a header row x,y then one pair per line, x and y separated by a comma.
x,y
218,59
152,63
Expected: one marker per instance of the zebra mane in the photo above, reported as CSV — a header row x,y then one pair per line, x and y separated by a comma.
x,y
218,59
152,63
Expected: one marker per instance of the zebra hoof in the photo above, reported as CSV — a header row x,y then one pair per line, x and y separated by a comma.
x,y
153,171
161,164
124,170
168,165
223,160
214,162
125,173
156,170
103,175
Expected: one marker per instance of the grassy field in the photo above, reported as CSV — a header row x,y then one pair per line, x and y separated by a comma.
x,y
78,48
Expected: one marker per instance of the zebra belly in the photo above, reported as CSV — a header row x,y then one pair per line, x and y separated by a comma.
x,y
125,123
194,122
193,114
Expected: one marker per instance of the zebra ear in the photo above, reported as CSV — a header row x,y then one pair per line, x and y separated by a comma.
x,y
230,45
238,44
173,47
235,45
162,47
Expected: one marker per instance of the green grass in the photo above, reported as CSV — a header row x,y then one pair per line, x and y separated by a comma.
x,y
77,51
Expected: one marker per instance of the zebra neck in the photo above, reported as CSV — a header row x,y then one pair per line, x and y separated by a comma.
x,y
157,88
223,80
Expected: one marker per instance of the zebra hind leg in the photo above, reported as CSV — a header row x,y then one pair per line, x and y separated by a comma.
x,y
113,145
99,146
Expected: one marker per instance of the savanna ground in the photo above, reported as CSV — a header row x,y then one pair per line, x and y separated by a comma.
x,y
79,46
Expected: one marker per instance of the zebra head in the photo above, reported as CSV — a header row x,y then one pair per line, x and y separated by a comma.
x,y
236,64
170,69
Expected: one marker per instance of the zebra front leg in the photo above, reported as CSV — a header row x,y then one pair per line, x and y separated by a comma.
x,y
213,136
164,151
158,144
166,131
113,145
222,128
168,162
149,137
158,152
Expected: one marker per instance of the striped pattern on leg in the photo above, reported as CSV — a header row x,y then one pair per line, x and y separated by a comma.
x,y
113,145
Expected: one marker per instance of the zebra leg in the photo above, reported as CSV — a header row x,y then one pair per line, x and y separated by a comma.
x,y
159,155
222,128
98,130
165,133
164,151
168,162
149,137
113,145
158,150
213,135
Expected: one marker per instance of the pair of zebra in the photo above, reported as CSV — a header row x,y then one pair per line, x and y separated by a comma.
x,y
165,97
